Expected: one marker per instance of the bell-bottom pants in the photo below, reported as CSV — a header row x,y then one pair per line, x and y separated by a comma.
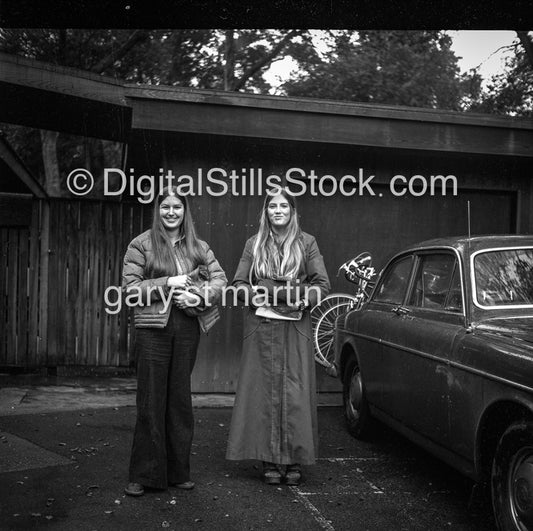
x,y
164,429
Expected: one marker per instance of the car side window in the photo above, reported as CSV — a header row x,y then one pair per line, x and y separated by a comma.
x,y
437,283
394,282
454,301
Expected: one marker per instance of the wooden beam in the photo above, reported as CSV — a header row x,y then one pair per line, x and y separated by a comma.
x,y
326,107
31,107
49,97
67,81
44,96
217,119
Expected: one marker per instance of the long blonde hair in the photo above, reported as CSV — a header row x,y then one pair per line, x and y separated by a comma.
x,y
273,259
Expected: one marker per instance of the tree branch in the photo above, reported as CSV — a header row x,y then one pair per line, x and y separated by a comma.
x,y
136,37
267,59
527,44
229,61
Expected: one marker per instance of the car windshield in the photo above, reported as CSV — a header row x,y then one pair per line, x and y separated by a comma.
x,y
504,278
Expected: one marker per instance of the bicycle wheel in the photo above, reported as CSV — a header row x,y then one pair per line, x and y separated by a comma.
x,y
323,318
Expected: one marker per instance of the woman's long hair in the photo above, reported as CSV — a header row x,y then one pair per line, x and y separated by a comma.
x,y
162,261
283,258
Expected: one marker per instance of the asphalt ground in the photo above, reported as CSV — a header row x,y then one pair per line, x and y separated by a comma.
x,y
66,468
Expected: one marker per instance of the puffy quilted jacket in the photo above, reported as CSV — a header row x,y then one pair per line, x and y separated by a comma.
x,y
150,312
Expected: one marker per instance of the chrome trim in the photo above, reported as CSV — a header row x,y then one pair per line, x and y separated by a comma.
x,y
473,281
362,336
489,376
446,361
505,317
417,251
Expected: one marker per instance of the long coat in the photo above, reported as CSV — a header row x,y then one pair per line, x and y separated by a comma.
x,y
274,417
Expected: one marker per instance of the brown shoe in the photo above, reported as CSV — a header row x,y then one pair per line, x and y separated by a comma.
x,y
293,474
271,474
186,485
134,489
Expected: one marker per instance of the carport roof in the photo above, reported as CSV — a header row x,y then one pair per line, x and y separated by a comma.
x,y
46,96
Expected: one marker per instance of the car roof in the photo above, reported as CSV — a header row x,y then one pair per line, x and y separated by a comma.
x,y
475,243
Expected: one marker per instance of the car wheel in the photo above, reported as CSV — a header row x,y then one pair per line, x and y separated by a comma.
x,y
356,409
512,479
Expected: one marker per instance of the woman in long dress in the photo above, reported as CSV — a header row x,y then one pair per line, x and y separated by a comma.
x,y
274,418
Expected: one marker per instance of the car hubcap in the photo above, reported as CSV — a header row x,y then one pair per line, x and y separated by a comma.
x,y
356,394
521,479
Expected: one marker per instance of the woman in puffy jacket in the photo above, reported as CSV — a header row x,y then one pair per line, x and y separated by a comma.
x,y
174,282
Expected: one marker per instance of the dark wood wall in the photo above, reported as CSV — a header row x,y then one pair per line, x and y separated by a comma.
x,y
343,226
53,275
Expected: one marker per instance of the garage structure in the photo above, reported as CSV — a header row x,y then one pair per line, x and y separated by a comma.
x,y
186,131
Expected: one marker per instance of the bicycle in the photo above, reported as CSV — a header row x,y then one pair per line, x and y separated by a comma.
x,y
358,271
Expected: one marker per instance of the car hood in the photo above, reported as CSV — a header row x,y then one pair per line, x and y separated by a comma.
x,y
520,328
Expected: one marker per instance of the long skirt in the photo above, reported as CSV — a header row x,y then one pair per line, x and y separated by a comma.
x,y
164,429
274,416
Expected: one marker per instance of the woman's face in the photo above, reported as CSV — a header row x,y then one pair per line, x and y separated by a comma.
x,y
171,212
279,212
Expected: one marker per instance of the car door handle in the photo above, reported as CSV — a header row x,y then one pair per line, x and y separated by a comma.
x,y
400,310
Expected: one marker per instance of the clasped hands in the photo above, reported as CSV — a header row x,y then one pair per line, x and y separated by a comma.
x,y
180,297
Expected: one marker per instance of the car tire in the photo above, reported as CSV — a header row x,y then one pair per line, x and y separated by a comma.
x,y
512,479
356,411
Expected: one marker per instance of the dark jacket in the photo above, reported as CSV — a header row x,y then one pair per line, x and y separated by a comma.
x,y
313,273
150,312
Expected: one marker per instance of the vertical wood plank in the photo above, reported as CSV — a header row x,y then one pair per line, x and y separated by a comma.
x,y
124,344
33,299
44,283
71,259
4,278
62,256
107,231
93,317
115,269
12,268
54,285
82,299
21,354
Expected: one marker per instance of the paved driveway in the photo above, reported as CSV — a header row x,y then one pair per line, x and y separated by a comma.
x,y
72,466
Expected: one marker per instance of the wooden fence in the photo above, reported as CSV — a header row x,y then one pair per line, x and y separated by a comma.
x,y
54,273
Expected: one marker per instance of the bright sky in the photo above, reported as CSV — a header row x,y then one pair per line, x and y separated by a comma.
x,y
474,48
482,47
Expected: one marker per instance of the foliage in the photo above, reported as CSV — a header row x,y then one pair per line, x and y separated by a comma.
x,y
186,57
510,93
412,68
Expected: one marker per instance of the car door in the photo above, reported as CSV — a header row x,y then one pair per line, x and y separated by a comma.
x,y
370,323
417,338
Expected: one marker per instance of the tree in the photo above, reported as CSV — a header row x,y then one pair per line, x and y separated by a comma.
x,y
246,56
527,44
511,93
413,68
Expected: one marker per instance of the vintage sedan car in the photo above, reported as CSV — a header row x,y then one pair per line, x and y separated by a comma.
x,y
443,352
